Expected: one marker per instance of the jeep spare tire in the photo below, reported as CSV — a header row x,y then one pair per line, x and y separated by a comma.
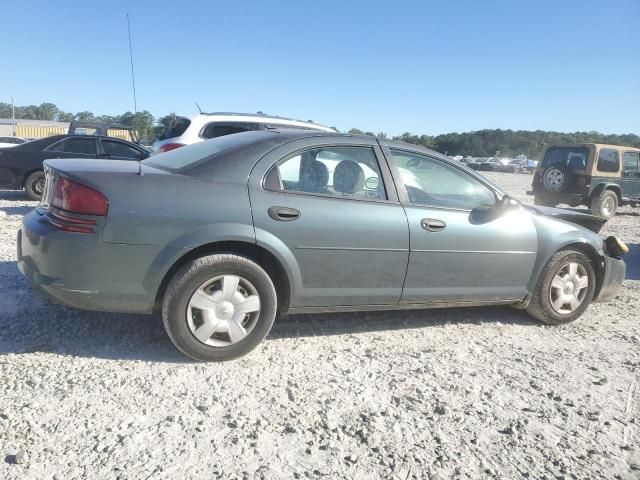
x,y
557,179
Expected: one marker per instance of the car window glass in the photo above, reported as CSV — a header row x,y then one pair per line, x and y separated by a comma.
x,y
435,183
574,158
118,149
349,172
631,160
608,160
214,130
85,146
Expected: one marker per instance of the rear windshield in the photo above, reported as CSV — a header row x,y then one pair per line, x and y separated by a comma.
x,y
183,158
177,128
574,158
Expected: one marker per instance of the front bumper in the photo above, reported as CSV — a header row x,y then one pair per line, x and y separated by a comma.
x,y
614,272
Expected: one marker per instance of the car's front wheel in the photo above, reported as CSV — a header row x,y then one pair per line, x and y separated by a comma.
x,y
565,288
219,307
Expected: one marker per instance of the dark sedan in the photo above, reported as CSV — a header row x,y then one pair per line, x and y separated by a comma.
x,y
21,166
222,235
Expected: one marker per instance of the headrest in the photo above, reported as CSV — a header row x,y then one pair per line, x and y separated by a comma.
x,y
348,177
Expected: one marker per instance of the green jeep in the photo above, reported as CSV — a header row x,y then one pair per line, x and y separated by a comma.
x,y
599,176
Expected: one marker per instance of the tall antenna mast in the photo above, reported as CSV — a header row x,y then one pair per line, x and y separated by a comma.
x,y
133,78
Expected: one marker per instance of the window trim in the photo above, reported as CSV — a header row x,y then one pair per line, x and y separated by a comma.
x,y
255,126
637,154
402,191
385,174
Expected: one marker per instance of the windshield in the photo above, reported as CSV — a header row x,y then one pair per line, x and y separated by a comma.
x,y
183,158
574,158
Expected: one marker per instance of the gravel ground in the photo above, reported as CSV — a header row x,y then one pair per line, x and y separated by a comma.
x,y
461,393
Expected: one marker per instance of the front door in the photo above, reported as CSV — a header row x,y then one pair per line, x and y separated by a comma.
x,y
456,257
332,214
630,180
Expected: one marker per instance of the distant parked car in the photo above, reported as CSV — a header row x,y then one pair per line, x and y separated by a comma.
x,y
519,165
8,142
21,165
223,235
488,165
189,130
599,176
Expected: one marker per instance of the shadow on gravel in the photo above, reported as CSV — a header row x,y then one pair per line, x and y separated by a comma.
x,y
632,259
311,325
16,210
14,195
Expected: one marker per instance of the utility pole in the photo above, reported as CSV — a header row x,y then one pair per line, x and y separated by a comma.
x,y
133,78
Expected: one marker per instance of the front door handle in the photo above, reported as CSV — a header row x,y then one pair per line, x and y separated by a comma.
x,y
432,224
283,214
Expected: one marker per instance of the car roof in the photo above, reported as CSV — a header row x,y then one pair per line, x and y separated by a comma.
x,y
203,118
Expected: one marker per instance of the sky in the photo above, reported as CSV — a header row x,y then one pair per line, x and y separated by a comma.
x,y
426,67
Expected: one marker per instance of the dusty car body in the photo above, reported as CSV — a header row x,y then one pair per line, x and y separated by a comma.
x,y
222,235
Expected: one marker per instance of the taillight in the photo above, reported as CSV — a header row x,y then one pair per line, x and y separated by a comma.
x,y
77,198
167,147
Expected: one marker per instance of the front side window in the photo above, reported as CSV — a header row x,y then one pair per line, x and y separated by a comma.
x,y
118,149
84,146
214,130
435,183
631,160
345,172
608,160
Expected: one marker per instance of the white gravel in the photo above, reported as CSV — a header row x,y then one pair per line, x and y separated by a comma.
x,y
462,393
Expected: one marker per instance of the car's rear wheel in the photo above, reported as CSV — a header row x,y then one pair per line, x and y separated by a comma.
x,y
565,288
34,185
219,307
605,205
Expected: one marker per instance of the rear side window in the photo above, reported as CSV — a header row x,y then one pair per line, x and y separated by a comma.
x,y
119,150
84,146
574,158
631,160
608,160
215,130
345,172
178,127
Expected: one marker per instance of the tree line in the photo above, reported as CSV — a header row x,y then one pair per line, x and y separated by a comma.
x,y
481,143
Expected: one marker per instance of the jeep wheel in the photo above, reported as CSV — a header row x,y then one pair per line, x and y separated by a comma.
x,y
556,179
605,205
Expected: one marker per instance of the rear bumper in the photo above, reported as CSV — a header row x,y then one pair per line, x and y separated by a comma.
x,y
81,271
614,272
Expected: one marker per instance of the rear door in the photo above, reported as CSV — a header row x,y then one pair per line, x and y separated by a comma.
x,y
630,181
456,257
329,208
118,150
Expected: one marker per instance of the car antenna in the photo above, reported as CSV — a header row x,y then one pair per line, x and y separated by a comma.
x,y
199,109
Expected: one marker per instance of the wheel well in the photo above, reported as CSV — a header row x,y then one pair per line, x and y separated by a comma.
x,y
260,255
596,261
600,188
26,175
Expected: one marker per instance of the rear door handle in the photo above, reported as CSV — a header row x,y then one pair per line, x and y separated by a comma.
x,y
283,214
432,224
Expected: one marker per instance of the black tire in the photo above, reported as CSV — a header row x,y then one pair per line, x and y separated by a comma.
x,y
557,179
605,205
540,306
34,185
543,202
194,274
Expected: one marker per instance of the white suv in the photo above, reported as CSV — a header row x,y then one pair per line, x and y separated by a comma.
x,y
188,130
